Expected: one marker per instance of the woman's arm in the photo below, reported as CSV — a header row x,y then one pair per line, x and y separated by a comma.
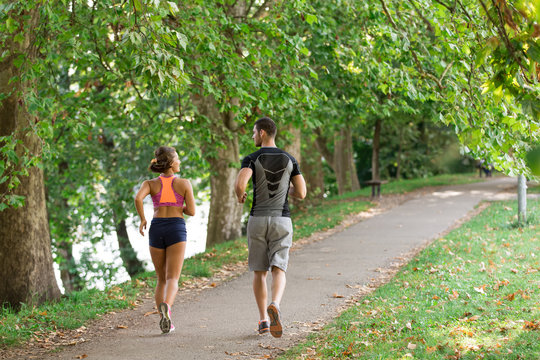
x,y
141,194
189,207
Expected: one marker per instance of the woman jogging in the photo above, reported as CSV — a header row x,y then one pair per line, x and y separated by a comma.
x,y
168,229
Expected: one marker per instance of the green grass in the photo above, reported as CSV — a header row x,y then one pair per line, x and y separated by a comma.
x,y
207,263
403,186
71,312
78,308
474,294
326,216
534,188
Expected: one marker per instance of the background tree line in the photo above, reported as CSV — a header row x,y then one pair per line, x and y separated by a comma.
x,y
89,89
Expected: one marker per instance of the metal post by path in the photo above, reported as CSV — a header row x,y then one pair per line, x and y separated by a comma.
x,y
522,199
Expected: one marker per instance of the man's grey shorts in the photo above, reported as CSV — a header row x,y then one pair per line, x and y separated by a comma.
x,y
269,241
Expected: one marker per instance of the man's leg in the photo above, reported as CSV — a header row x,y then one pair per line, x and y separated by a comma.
x,y
278,284
260,291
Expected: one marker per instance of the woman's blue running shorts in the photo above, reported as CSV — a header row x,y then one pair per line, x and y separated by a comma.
x,y
167,231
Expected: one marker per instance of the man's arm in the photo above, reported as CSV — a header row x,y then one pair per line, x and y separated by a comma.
x,y
241,184
298,188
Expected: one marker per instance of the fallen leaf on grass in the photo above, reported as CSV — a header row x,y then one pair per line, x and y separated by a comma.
x,y
431,349
515,271
500,284
531,325
472,318
435,297
454,295
480,289
411,346
482,267
510,297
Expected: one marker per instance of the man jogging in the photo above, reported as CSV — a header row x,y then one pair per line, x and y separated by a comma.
x,y
275,175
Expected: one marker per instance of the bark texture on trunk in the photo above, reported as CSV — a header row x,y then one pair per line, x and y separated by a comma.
x,y
26,266
312,169
293,147
399,155
128,255
344,165
341,160
375,172
68,274
224,219
294,144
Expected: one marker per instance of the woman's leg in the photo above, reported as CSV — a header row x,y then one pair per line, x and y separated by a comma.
x,y
174,260
158,258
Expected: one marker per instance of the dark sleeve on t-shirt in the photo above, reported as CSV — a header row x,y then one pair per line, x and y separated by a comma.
x,y
296,168
247,163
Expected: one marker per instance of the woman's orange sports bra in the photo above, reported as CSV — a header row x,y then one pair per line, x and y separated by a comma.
x,y
167,196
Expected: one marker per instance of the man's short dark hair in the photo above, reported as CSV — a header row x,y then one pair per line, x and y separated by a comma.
x,y
266,124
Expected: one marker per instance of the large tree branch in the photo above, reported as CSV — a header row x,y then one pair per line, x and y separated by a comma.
x,y
450,8
321,143
387,13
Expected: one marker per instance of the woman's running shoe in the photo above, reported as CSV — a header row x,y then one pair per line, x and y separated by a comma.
x,y
165,321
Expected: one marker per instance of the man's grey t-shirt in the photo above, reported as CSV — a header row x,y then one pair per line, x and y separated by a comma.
x,y
273,169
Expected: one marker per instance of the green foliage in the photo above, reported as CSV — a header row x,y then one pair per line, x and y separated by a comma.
x,y
72,312
75,309
469,295
533,160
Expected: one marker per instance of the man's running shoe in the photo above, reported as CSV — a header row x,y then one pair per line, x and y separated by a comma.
x,y
275,322
165,322
264,326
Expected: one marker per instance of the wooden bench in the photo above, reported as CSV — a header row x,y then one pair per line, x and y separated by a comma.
x,y
376,186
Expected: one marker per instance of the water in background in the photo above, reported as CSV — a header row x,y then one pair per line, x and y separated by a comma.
x,y
108,252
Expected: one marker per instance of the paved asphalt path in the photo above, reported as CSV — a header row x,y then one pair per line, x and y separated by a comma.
x,y
220,323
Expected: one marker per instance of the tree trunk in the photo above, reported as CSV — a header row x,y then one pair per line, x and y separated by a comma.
x,y
375,173
344,165
399,154
293,147
522,199
225,217
128,255
68,274
312,169
26,267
